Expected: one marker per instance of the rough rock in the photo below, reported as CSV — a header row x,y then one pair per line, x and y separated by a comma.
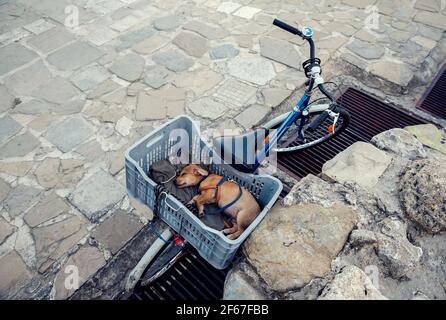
x,y
351,284
429,135
423,194
17,273
396,252
129,67
360,163
400,142
84,264
362,237
280,51
117,230
97,194
17,169
296,244
242,284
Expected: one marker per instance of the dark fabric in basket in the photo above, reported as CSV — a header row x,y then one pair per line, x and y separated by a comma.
x,y
163,172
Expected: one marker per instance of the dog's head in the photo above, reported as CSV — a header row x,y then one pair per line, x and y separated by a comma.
x,y
191,175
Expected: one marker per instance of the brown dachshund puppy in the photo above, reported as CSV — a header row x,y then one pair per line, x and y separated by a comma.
x,y
243,212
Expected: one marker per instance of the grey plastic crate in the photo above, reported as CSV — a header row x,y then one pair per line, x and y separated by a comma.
x,y
212,245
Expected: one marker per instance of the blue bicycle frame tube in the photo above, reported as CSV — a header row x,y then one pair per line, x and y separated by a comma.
x,y
286,124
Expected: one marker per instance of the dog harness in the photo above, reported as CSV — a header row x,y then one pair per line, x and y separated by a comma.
x,y
218,194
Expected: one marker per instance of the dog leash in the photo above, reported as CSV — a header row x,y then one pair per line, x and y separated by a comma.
x,y
218,195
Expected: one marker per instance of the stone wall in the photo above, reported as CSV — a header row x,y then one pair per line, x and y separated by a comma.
x,y
371,226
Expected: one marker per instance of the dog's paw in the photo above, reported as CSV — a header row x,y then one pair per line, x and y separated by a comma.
x,y
201,214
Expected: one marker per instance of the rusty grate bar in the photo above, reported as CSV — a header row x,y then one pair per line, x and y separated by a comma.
x,y
434,99
370,116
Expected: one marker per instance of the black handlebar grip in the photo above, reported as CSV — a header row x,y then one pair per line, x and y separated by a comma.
x,y
318,121
287,27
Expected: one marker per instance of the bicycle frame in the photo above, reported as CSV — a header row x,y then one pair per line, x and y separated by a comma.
x,y
271,141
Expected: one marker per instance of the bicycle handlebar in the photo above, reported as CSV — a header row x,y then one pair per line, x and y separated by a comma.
x,y
287,27
293,30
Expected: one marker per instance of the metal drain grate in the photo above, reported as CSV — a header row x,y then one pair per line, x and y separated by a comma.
x,y
192,278
434,99
369,117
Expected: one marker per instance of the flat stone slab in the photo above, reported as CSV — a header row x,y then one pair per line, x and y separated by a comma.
x,y
51,40
207,108
223,52
255,70
69,133
366,50
398,73
252,116
88,261
235,93
8,128
17,273
75,55
19,199
191,43
167,23
4,190
429,135
13,56
19,146
156,77
280,51
39,107
6,99
149,107
129,67
117,230
173,60
211,32
96,195
90,77
54,240
58,90
48,208
5,229
360,163
25,81
128,40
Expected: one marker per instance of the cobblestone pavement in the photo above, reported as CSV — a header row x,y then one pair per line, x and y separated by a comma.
x,y
81,80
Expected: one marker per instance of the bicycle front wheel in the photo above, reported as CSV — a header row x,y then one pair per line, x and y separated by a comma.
x,y
327,130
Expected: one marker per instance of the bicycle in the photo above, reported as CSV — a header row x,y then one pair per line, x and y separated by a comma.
x,y
306,126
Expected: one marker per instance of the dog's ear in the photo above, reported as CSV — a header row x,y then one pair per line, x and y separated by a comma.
x,y
201,172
